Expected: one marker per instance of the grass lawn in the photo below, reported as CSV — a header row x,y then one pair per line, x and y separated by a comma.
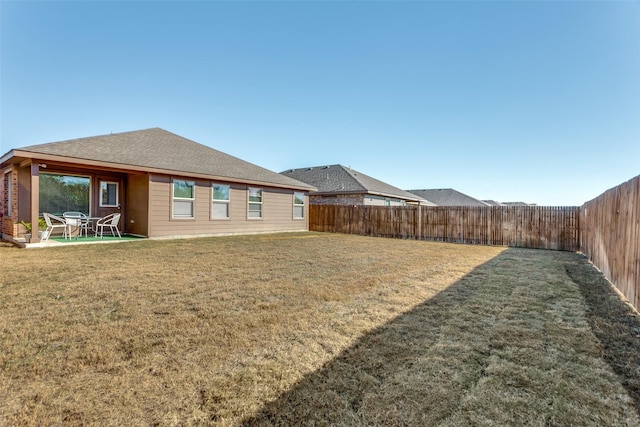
x,y
312,329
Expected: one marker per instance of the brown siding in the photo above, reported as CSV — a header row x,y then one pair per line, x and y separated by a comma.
x,y
137,206
24,194
277,210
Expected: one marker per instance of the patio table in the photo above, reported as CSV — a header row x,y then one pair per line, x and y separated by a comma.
x,y
79,222
91,220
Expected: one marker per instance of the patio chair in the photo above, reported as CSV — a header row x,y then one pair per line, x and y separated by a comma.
x,y
55,222
110,221
77,220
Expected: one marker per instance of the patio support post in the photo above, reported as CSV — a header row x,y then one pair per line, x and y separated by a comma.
x,y
35,201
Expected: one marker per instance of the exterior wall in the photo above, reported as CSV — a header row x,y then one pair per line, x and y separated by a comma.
x,y
102,211
137,205
147,205
24,194
355,200
277,211
382,201
340,199
9,223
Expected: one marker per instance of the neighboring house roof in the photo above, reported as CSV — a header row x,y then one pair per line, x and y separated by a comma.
x,y
338,179
518,204
492,203
157,150
448,197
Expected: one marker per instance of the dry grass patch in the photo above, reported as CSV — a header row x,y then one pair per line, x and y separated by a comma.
x,y
298,329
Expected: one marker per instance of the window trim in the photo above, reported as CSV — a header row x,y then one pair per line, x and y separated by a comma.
x,y
183,199
117,184
298,205
226,202
260,203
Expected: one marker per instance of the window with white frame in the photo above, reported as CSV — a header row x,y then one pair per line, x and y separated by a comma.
x,y
183,199
255,203
298,205
108,194
220,201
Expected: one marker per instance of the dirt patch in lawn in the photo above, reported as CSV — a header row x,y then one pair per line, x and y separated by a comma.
x,y
301,328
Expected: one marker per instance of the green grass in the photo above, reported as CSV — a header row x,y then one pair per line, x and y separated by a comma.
x,y
310,329
91,239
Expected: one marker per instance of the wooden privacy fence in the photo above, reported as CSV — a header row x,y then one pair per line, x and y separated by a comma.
x,y
610,236
537,227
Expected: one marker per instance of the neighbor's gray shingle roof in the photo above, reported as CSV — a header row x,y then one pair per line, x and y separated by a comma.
x,y
338,179
448,197
159,149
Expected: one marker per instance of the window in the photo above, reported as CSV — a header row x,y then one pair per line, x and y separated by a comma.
x,y
183,198
220,201
62,193
298,205
108,194
255,202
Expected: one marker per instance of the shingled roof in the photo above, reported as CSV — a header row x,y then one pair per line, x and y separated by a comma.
x,y
448,197
159,150
338,179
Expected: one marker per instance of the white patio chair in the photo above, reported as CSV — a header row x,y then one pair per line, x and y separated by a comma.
x,y
110,221
77,220
55,222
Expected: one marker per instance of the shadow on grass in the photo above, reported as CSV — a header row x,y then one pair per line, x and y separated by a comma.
x,y
431,365
615,324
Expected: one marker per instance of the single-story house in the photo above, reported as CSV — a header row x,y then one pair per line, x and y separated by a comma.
x,y
337,184
518,204
163,185
448,197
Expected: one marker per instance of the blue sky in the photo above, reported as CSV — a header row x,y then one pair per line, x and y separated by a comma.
x,y
504,100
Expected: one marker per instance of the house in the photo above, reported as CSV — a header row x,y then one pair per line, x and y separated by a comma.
x,y
517,204
163,185
448,197
337,184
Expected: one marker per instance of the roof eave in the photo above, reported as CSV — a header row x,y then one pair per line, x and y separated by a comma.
x,y
144,169
368,192
7,156
395,196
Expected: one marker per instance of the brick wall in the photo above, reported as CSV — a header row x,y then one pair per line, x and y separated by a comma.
x,y
9,208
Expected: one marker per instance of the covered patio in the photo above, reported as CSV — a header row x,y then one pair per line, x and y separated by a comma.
x,y
37,186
